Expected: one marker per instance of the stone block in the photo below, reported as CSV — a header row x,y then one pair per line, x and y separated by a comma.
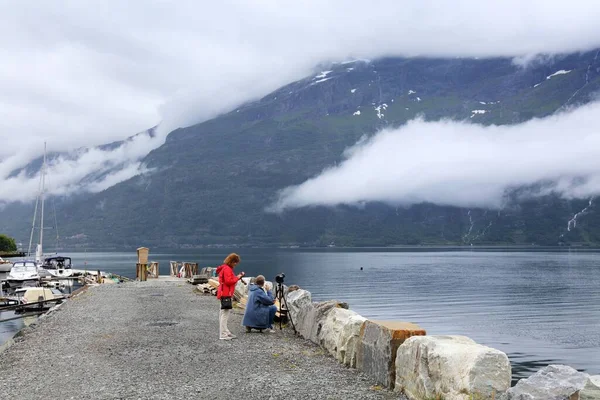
x,y
340,334
591,390
379,342
300,308
308,316
450,367
554,382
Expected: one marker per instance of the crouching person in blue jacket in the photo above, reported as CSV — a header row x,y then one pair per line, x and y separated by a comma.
x,y
261,308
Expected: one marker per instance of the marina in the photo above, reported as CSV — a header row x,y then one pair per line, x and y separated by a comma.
x,y
153,347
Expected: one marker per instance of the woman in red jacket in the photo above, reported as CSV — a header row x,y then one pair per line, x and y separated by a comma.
x,y
227,281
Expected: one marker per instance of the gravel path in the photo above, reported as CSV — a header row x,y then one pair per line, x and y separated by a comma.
x,y
159,340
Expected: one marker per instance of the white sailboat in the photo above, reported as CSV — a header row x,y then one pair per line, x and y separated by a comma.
x,y
54,265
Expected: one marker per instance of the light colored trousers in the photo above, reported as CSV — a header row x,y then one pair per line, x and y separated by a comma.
x,y
223,317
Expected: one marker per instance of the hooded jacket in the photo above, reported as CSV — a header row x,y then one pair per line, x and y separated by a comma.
x,y
227,281
257,309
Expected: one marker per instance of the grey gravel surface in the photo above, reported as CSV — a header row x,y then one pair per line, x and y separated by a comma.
x,y
159,340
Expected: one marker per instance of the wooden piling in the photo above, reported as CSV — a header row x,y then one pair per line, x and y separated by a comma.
x,y
189,269
153,271
141,272
174,268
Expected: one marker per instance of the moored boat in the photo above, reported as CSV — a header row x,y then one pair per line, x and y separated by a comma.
x,y
37,298
58,266
23,273
5,265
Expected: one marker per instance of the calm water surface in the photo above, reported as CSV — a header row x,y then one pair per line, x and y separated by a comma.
x,y
538,307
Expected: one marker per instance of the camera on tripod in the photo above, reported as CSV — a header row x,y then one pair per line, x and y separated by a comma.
x,y
284,315
279,278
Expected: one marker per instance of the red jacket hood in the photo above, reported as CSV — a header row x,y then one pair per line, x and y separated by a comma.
x,y
220,268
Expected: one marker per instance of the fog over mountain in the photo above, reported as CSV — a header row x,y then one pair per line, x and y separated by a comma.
x,y
84,74
462,164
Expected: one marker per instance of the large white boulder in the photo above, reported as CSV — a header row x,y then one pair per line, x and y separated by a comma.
x,y
300,308
308,317
591,391
450,367
241,290
340,334
554,382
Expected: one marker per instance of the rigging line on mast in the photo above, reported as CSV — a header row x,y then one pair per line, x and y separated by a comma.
x,y
55,224
37,200
41,248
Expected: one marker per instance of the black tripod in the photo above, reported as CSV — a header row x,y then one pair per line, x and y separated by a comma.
x,y
283,311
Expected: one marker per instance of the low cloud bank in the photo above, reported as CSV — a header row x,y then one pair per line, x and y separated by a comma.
x,y
70,79
461,164
70,175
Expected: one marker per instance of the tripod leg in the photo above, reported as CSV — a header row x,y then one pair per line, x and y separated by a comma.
x,y
287,313
279,297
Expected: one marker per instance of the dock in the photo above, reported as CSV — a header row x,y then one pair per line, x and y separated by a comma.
x,y
159,340
9,254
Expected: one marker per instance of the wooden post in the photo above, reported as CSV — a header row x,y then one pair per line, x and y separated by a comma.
x,y
141,272
173,268
190,269
154,269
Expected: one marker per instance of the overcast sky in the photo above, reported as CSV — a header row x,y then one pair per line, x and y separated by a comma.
x,y
82,73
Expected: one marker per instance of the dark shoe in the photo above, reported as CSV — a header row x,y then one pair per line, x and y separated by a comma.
x,y
248,329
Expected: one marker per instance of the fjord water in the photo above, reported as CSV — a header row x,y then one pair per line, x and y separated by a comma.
x,y
538,307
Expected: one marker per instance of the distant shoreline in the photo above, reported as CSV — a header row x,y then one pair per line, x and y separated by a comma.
x,y
12,254
398,248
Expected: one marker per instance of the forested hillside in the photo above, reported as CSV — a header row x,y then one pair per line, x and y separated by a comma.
x,y
210,183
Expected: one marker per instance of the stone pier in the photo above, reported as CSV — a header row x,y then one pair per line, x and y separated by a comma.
x,y
159,340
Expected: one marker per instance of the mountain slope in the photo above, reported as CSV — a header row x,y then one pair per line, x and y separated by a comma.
x,y
210,183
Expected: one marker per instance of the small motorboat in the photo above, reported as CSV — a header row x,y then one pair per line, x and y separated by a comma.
x,y
37,298
23,273
5,265
58,266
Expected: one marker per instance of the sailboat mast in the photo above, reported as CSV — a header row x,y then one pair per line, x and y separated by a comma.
x,y
37,201
43,192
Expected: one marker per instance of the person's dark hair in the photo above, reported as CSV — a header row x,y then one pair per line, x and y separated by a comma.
x,y
232,259
260,280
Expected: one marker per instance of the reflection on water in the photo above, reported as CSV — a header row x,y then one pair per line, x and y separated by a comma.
x,y
13,322
538,307
8,328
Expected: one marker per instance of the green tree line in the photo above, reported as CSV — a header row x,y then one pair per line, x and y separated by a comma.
x,y
7,243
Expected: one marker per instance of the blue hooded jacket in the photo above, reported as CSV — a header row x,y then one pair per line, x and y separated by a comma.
x,y
257,309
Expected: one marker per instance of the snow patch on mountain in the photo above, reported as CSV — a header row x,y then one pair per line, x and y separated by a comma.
x,y
323,74
561,72
320,80
379,110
